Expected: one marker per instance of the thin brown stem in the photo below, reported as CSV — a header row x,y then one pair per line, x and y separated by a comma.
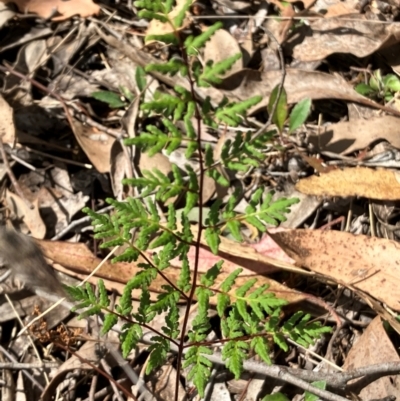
x,y
198,239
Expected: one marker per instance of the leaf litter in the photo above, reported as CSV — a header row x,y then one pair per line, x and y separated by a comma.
x,y
338,249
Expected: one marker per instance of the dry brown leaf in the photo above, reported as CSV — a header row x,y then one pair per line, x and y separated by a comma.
x,y
254,257
97,146
120,169
373,347
359,37
58,209
31,217
164,380
209,188
369,264
339,9
346,137
359,181
79,258
7,128
299,84
52,8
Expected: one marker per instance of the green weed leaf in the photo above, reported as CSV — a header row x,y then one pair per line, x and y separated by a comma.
x,y
299,114
112,99
281,111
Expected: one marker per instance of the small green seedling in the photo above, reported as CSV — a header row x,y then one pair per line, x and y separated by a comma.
x,y
380,87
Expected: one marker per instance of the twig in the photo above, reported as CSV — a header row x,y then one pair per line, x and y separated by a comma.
x,y
61,159
107,369
301,378
275,371
24,372
23,366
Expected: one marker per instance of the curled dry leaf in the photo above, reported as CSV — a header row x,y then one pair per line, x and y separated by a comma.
x,y
57,10
360,181
119,169
360,37
348,136
97,146
369,264
164,381
31,217
299,212
7,128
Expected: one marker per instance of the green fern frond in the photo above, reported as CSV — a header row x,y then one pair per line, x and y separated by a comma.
x,y
261,347
194,44
200,367
212,72
158,353
250,316
172,322
146,14
301,331
232,114
165,300
228,283
184,282
234,353
178,20
130,336
172,67
157,6
110,320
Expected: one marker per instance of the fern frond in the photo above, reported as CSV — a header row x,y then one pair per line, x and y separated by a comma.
x,y
232,114
158,353
194,44
200,367
212,71
110,320
178,20
130,336
234,353
261,347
